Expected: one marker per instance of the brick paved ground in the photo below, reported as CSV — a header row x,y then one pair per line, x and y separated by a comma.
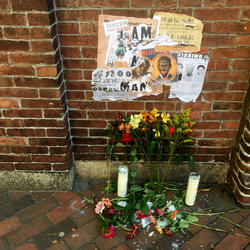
x,y
43,220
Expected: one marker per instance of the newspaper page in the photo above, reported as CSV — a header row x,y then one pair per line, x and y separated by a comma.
x,y
190,75
119,40
184,29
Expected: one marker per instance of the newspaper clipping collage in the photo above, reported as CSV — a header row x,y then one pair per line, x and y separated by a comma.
x,y
137,56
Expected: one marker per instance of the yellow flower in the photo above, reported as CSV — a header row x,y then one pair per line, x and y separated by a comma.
x,y
154,112
158,229
135,120
165,117
157,133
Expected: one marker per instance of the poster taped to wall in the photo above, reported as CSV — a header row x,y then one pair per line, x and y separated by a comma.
x,y
119,40
181,28
191,73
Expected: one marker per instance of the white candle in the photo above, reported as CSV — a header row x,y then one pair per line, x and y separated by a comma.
x,y
192,188
122,181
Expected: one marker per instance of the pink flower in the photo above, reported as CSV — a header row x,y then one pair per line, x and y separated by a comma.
x,y
171,130
133,232
109,232
159,211
142,215
99,207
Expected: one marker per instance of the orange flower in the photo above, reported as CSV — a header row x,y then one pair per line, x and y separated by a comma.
x,y
121,127
173,214
145,115
128,126
107,202
151,118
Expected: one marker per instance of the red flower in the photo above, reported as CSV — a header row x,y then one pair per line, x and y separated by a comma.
x,y
167,231
142,215
188,123
189,133
159,211
171,130
107,202
133,232
110,232
126,137
111,210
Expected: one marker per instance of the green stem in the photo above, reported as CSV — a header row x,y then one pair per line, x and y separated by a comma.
x,y
168,163
244,228
124,228
220,230
218,213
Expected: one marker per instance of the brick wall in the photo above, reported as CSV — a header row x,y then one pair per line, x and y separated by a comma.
x,y
34,131
218,109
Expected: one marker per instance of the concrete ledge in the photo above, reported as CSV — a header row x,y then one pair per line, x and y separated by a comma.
x,y
211,173
27,180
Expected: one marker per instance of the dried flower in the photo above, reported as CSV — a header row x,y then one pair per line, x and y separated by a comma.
x,y
109,232
133,232
99,207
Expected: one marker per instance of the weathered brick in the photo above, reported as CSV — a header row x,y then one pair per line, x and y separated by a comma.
x,y
215,3
230,125
78,15
32,166
42,46
8,103
32,103
30,58
26,132
222,116
68,28
231,27
25,33
186,3
127,12
9,224
233,76
29,149
238,3
17,70
89,52
232,52
12,141
22,113
28,5
141,3
26,232
243,40
218,40
4,59
88,123
39,19
226,96
46,71
241,64
4,5
12,19
27,246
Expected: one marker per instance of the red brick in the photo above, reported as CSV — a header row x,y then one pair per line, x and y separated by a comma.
x,y
232,242
27,246
8,103
78,40
47,141
234,76
218,64
4,59
41,46
67,3
27,5
225,96
6,82
60,213
12,141
29,103
12,19
6,45
47,71
214,3
89,52
53,113
220,134
6,166
29,149
238,3
217,14
245,14
57,150
17,70
19,92
56,132
98,3
128,105
49,93
88,105
79,63
127,12
78,15
26,132
218,40
86,233
243,40
9,224
4,150
88,28
32,166
187,3
37,209
11,123
25,33
88,123
231,27
207,125
212,86
68,28
87,140
232,53
230,125
65,196
222,116
43,123
238,86
241,64
73,74
198,106
26,232
164,4
74,95
30,58
4,5
71,52
22,113
141,3
39,19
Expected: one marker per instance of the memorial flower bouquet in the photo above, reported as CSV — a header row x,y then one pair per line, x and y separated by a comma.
x,y
153,135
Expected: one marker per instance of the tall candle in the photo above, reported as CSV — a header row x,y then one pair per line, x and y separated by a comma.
x,y
192,188
122,181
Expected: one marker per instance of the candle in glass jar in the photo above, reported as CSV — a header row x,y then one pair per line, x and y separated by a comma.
x,y
122,181
192,188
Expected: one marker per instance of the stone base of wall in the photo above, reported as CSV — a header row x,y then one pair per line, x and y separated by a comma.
x,y
27,180
211,173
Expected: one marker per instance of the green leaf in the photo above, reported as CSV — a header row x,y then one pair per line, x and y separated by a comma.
x,y
152,147
191,218
184,224
133,151
133,173
145,209
119,144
